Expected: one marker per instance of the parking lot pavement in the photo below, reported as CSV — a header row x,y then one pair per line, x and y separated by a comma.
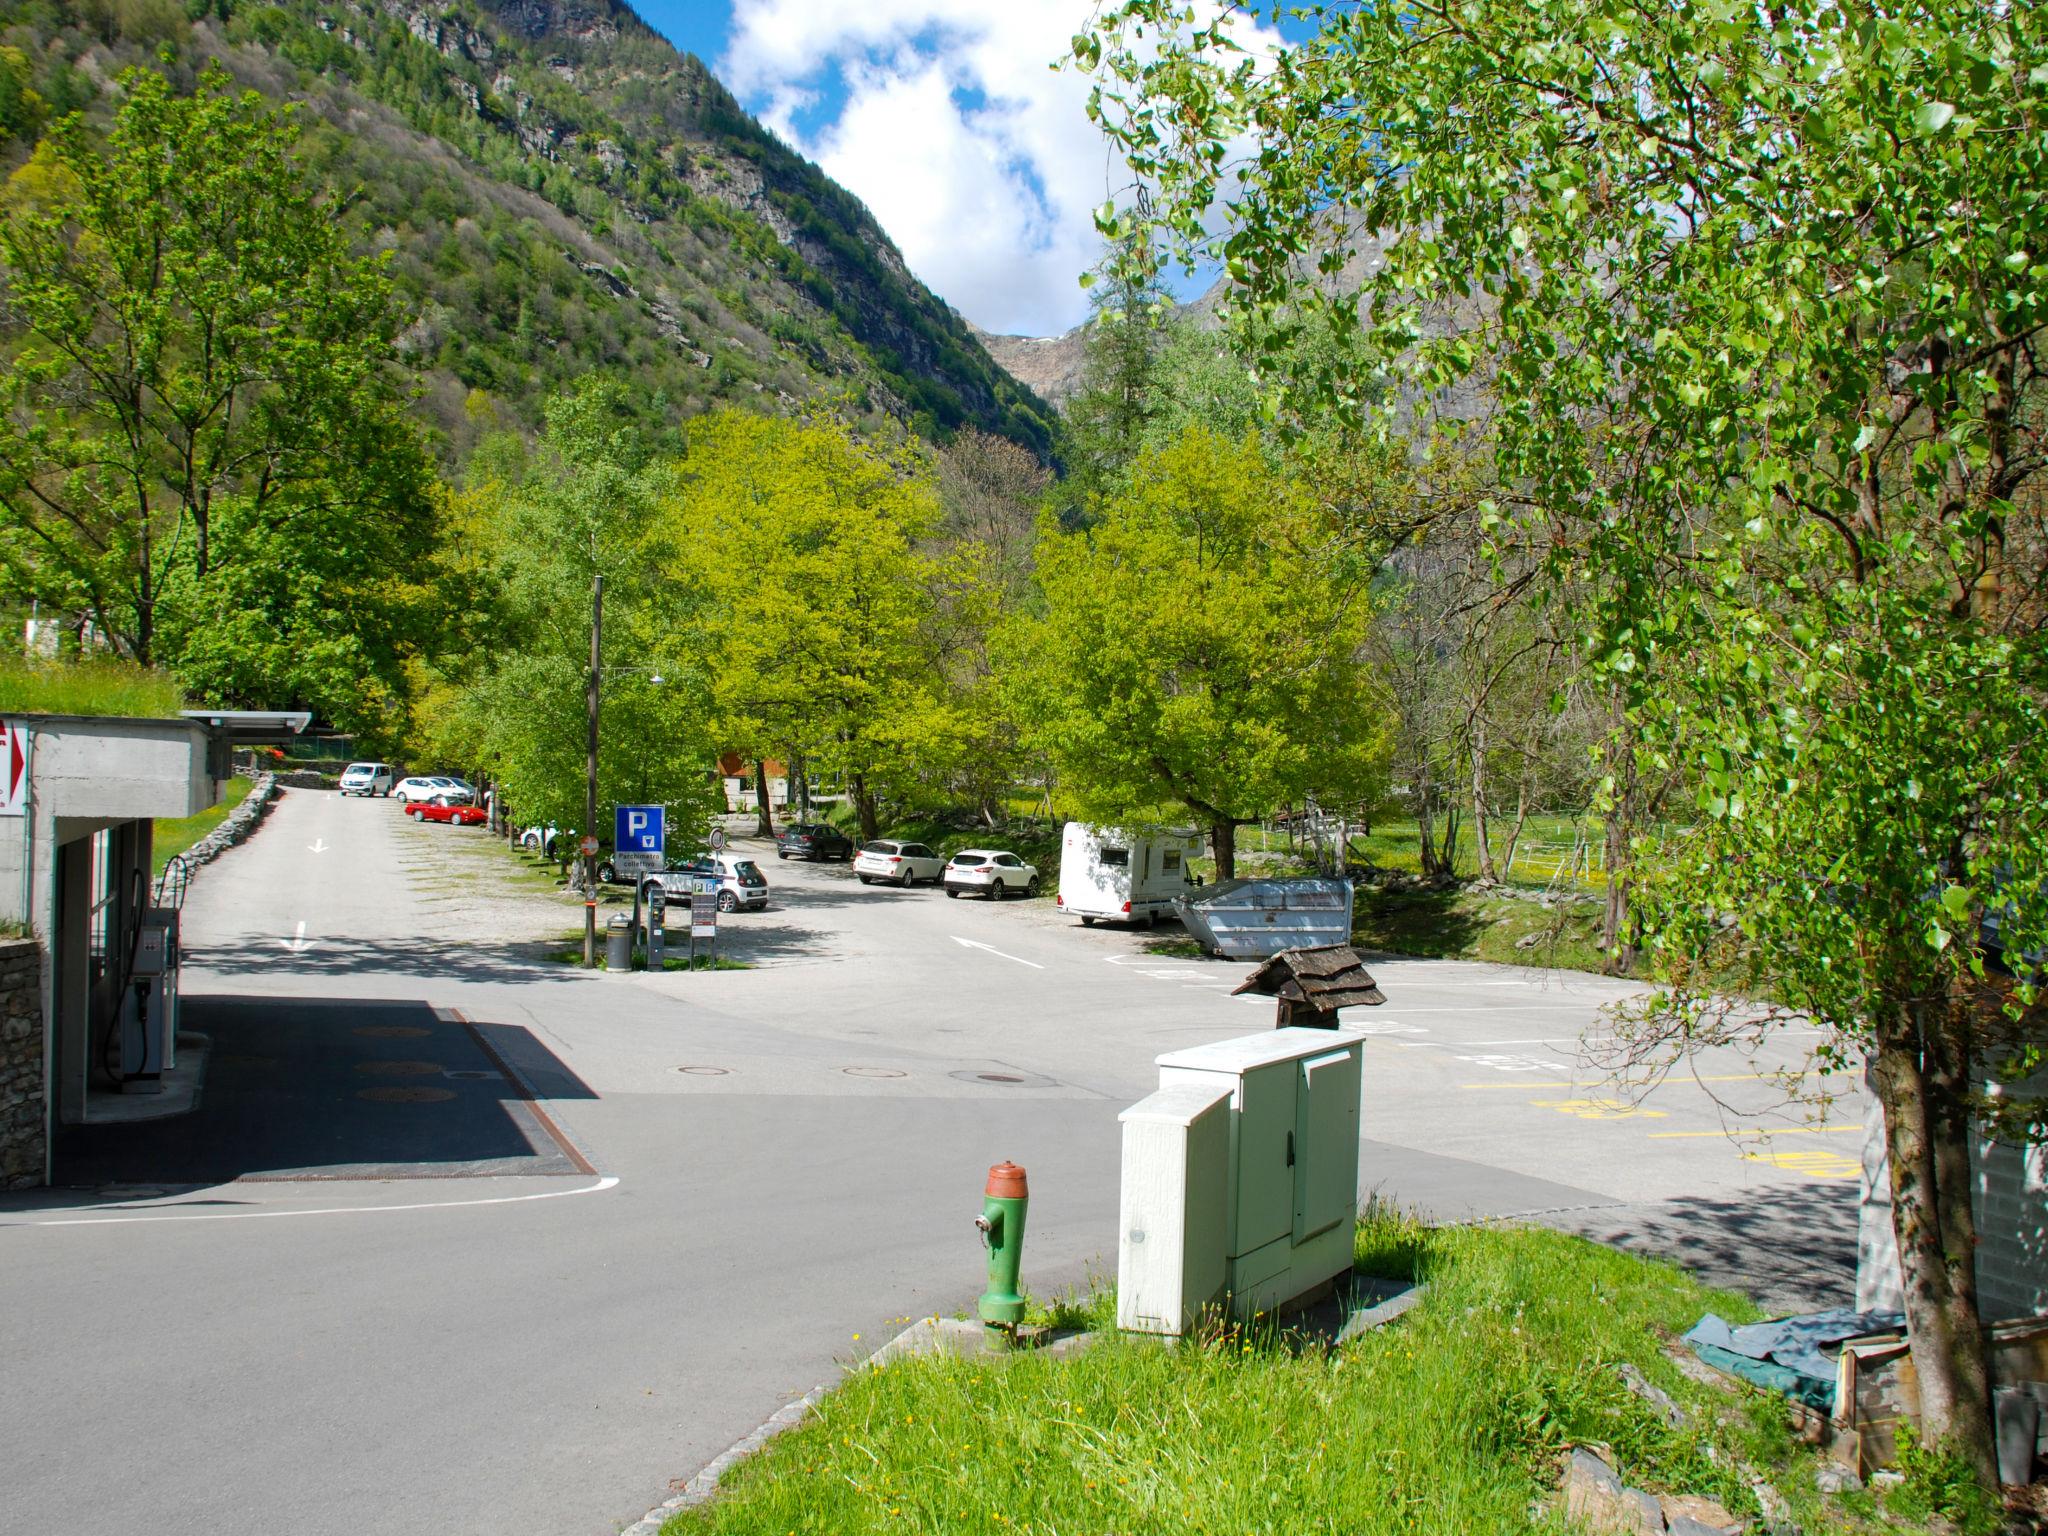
x,y
785,1163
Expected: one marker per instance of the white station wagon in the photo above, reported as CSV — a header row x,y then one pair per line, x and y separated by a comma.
x,y
992,873
897,863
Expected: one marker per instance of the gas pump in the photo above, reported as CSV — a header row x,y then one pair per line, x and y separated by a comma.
x,y
149,1003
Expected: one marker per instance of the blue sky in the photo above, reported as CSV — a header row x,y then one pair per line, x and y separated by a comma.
x,y
945,118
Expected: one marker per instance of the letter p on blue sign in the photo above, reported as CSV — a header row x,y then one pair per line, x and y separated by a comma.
x,y
639,829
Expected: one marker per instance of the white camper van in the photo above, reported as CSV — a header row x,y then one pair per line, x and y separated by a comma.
x,y
1123,877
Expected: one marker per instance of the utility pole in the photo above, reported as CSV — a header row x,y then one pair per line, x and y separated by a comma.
x,y
590,775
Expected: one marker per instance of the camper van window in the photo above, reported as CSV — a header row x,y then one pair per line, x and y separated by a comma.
x,y
1119,857
1169,862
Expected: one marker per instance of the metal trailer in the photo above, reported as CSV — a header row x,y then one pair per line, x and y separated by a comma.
x,y
1255,919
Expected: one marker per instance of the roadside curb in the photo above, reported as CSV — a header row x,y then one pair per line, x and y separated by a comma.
x,y
705,1483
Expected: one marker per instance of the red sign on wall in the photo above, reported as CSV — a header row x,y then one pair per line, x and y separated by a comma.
x,y
13,767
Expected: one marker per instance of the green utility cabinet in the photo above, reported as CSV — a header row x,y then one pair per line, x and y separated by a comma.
x,y
1285,1182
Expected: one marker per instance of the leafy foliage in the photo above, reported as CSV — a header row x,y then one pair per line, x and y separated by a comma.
x,y
1200,646
1758,296
203,447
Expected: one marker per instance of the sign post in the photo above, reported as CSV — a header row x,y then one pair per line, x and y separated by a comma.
x,y
639,843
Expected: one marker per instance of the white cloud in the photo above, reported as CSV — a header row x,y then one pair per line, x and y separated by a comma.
x,y
975,155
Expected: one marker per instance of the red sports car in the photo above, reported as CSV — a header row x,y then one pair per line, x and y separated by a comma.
x,y
461,815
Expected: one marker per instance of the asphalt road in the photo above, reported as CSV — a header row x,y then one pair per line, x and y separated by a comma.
x,y
785,1165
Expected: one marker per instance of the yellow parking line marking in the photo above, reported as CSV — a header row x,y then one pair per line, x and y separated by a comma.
x,y
1732,1077
1599,1109
1777,1130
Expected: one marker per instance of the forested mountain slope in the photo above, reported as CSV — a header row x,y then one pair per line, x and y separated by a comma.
x,y
560,191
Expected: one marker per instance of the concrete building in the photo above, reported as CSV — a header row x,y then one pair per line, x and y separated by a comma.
x,y
79,797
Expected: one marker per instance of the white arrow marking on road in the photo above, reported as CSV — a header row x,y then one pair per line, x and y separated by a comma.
x,y
297,942
996,952
318,845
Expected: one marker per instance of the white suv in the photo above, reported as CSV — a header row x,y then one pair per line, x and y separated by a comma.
x,y
366,779
992,873
898,863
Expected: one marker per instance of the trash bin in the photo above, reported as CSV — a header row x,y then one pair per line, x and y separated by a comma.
x,y
618,943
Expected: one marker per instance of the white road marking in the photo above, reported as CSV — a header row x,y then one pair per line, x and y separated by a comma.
x,y
171,1213
297,942
971,944
318,845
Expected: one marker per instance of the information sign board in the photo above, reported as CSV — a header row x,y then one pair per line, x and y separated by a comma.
x,y
704,910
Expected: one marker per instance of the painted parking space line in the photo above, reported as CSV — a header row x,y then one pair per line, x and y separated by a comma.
x,y
1765,1133
991,949
1731,1077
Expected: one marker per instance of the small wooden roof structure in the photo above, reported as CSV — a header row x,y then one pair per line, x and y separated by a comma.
x,y
1318,980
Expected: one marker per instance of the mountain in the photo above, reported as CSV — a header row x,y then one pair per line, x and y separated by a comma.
x,y
560,190
1048,366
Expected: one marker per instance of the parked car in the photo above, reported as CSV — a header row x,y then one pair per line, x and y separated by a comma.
x,y
455,791
898,863
419,787
812,840
741,885
459,815
990,872
366,779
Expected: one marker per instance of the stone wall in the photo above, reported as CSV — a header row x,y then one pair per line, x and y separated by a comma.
x,y
23,1121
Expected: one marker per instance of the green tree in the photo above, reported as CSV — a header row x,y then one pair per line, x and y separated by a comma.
x,y
1762,293
1200,650
808,543
538,531
198,421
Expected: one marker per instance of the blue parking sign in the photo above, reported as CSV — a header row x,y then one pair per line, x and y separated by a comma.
x,y
639,830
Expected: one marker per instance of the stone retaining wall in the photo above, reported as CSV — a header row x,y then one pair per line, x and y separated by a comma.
x,y
241,821
23,1118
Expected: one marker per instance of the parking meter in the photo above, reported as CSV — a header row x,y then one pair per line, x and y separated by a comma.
x,y
657,902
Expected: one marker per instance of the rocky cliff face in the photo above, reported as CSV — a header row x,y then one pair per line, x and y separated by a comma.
x,y
561,191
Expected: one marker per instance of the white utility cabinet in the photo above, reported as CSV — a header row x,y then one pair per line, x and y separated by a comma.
x,y
1288,1194
1170,1247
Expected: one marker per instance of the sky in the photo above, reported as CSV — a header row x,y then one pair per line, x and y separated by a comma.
x,y
944,117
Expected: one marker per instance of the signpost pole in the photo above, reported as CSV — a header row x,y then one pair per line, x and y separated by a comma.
x,y
590,776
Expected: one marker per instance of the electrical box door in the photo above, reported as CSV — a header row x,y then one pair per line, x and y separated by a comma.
x,y
1265,1154
1326,1142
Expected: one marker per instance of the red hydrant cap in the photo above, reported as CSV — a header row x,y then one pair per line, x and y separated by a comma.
x,y
1006,1182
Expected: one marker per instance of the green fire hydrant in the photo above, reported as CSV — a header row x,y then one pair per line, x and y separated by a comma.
x,y
1002,1232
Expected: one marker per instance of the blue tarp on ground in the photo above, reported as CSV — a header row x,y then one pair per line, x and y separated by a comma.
x,y
1792,1355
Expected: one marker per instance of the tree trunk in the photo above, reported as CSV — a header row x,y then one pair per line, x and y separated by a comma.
x,y
1521,821
1223,839
1923,1086
1487,871
863,805
1616,942
764,820
1424,835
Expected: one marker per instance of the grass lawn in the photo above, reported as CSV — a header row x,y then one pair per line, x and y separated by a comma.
x,y
1458,924
174,837
104,687
1447,1423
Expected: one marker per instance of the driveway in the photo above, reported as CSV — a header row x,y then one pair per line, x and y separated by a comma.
x,y
357,1296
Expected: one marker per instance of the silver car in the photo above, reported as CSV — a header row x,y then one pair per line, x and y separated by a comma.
x,y
897,863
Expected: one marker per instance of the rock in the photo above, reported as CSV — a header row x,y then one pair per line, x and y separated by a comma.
x,y
1595,1497
1529,941
1654,1395
1777,1513
1887,1479
1687,1514
1834,1479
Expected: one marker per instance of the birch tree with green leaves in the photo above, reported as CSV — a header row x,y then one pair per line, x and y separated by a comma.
x,y
203,448
1761,291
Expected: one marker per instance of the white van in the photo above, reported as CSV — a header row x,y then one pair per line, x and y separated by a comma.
x,y
366,779
1123,877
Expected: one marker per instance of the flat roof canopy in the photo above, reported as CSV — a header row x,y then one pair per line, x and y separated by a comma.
x,y
251,725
